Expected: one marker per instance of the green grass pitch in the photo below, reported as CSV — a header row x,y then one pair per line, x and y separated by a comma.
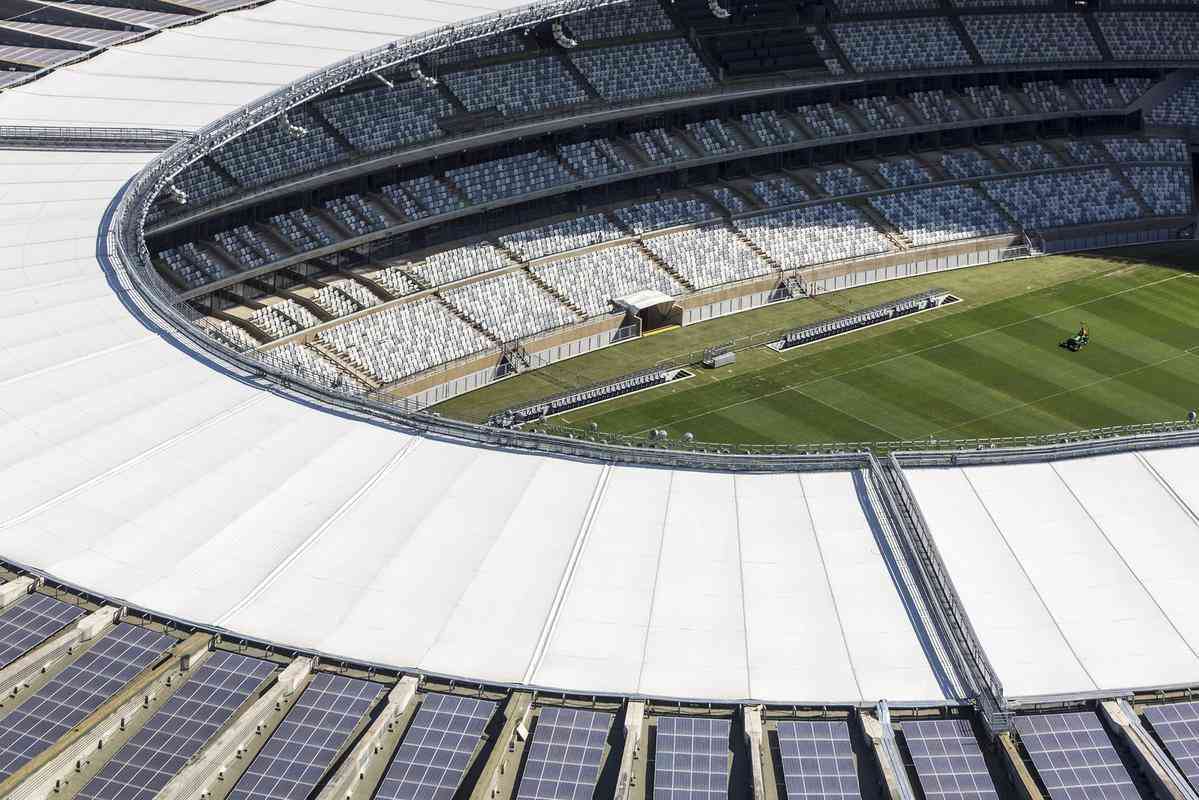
x,y
988,366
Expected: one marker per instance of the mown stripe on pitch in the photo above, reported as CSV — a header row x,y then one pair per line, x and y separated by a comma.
x,y
925,386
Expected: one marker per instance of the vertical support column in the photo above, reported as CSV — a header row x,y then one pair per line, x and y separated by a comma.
x,y
363,766
753,742
1168,783
879,732
634,722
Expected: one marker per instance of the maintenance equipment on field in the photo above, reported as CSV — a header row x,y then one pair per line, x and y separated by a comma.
x,y
719,356
1079,340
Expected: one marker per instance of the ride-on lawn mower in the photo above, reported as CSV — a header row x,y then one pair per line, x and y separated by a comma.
x,y
1079,340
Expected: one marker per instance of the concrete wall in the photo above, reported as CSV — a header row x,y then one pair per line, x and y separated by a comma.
x,y
725,306
832,280
548,350
1114,238
908,269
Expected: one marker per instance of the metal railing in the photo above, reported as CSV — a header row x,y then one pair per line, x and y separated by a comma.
x,y
881,447
897,496
45,137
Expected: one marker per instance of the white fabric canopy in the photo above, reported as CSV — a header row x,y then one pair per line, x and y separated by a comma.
x,y
646,298
130,468
1078,575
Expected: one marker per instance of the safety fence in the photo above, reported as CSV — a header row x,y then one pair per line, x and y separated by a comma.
x,y
683,442
85,138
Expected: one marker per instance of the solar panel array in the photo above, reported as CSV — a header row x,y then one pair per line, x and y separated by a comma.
x,y
31,621
691,761
817,760
1177,725
308,739
1075,758
948,761
177,731
566,755
437,748
82,687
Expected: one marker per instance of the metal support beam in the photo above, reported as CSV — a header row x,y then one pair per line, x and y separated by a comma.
x,y
215,769
363,766
634,723
1168,783
754,736
879,732
66,766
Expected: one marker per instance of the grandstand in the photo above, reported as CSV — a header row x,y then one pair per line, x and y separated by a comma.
x,y
248,551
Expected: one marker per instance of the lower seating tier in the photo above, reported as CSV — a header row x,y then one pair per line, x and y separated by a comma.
x,y
547,276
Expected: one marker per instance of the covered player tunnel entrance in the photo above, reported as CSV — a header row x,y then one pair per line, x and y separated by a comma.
x,y
653,308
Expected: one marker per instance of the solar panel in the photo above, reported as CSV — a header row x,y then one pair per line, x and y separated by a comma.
x,y
817,760
565,755
308,738
1075,757
177,731
948,761
1177,724
77,691
31,621
691,761
436,750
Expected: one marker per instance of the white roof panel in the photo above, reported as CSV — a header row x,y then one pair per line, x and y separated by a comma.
x,y
1140,516
888,658
1179,469
1080,555
797,648
1020,635
497,622
600,633
696,644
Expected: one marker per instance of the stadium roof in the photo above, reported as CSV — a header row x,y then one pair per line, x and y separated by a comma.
x,y
186,77
131,468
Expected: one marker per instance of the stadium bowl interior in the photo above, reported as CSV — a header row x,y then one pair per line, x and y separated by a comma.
x,y
250,249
